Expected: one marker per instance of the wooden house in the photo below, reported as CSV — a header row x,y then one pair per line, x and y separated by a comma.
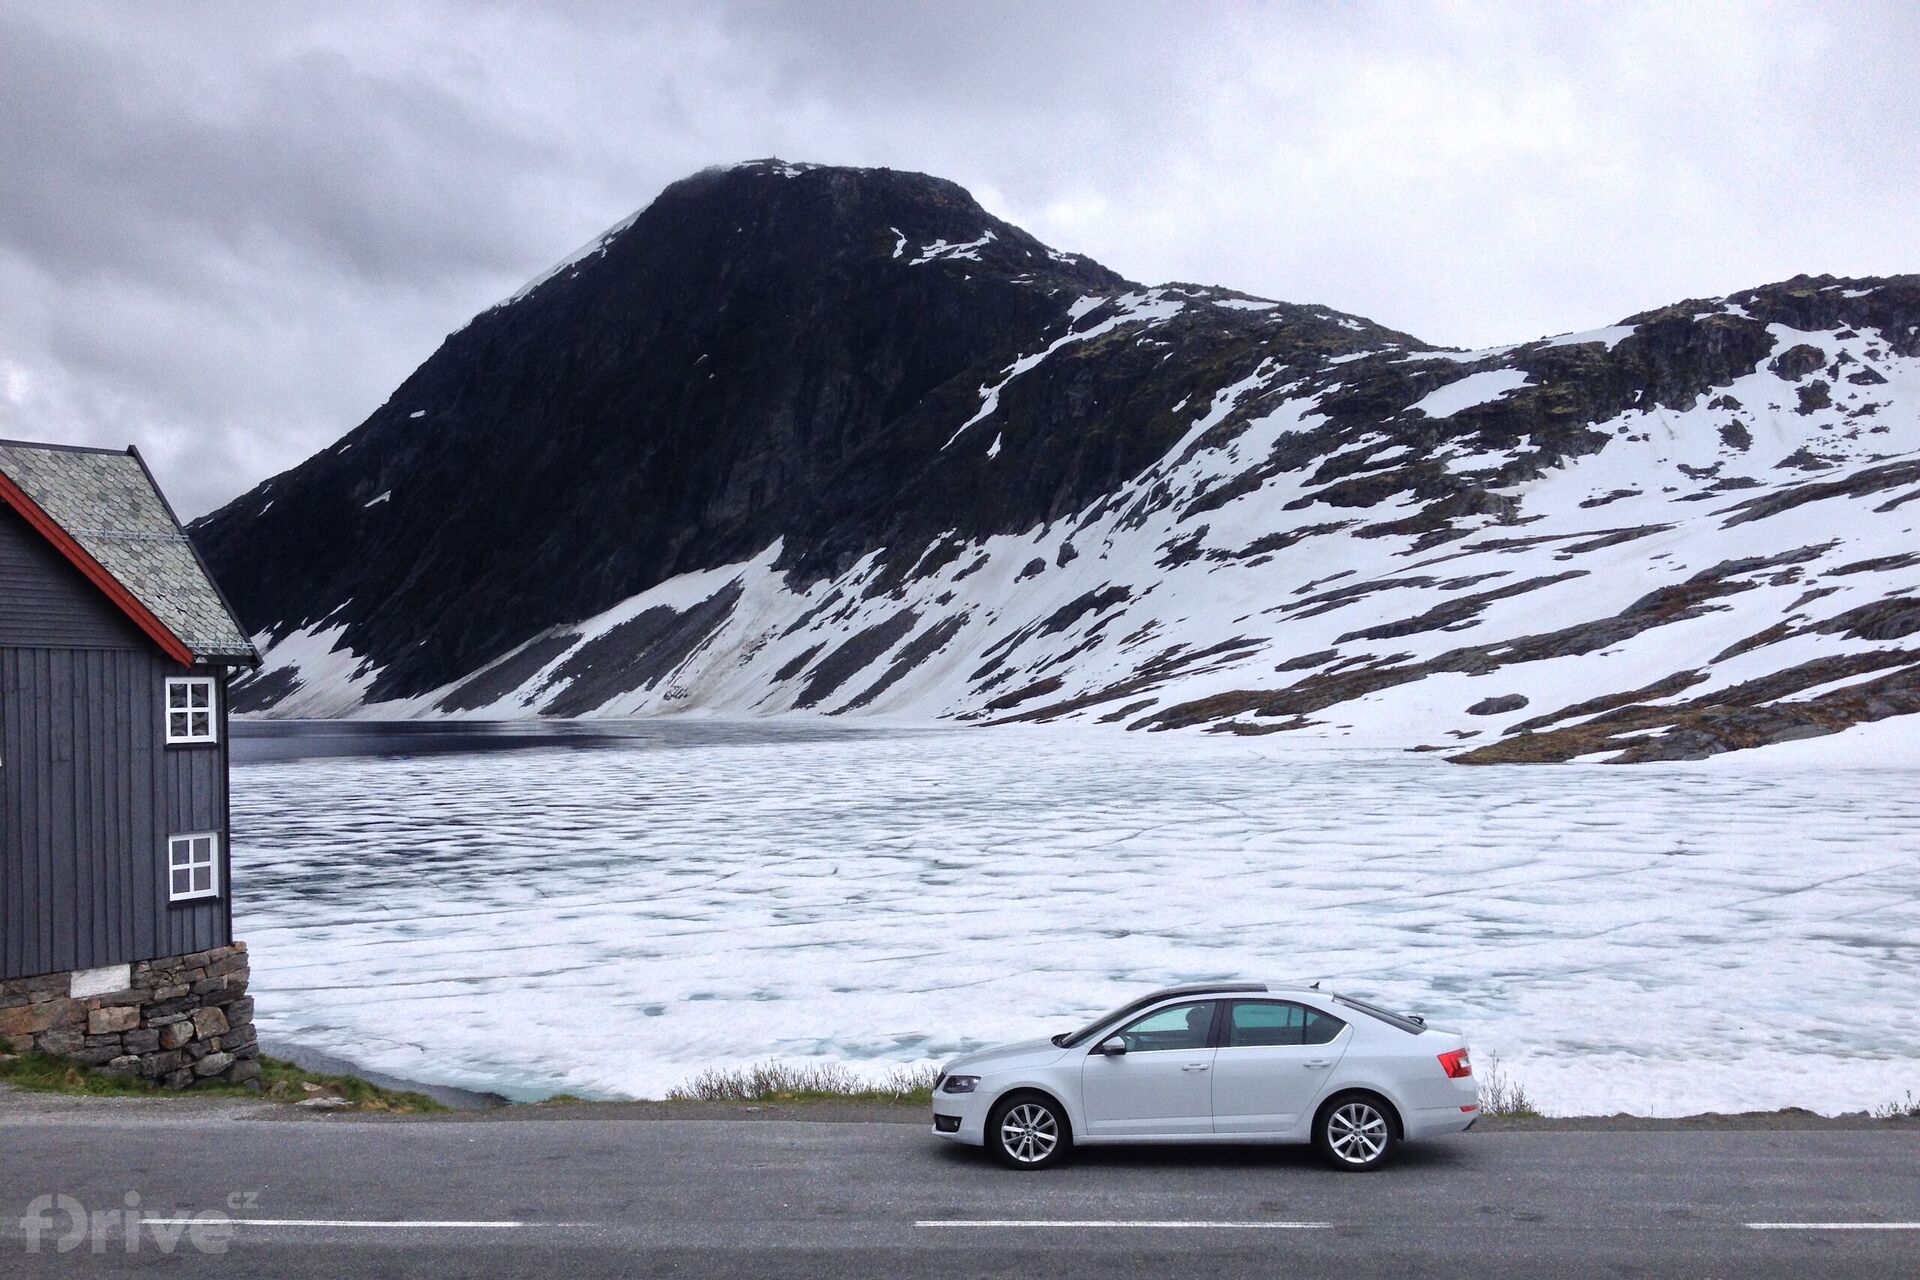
x,y
115,650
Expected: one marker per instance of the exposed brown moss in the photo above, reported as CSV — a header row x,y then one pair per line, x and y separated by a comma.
x,y
1734,719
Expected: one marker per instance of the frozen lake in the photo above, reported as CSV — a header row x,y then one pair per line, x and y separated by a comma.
x,y
606,909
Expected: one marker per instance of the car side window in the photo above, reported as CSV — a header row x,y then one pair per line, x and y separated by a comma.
x,y
1321,1028
1256,1023
1184,1026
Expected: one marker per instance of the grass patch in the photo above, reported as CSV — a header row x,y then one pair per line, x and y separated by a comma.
x,y
812,1082
1501,1094
279,1082
284,1082
1906,1109
42,1073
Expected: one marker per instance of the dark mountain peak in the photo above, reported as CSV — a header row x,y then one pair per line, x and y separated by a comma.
x,y
852,191
752,180
759,353
844,205
794,224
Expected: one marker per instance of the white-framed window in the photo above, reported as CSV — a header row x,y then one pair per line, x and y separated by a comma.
x,y
193,866
190,715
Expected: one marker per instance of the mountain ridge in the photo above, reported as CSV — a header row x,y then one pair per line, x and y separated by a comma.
x,y
803,439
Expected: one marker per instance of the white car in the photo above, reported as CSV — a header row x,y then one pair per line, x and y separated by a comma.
x,y
1216,1062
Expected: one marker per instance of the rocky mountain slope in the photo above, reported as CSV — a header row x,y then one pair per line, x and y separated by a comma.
x,y
809,440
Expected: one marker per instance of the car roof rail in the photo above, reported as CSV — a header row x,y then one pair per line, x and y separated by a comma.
x,y
1206,989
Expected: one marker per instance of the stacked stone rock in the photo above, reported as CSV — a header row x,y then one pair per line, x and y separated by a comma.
x,y
180,1020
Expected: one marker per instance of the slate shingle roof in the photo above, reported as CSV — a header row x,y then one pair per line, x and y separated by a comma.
x,y
108,503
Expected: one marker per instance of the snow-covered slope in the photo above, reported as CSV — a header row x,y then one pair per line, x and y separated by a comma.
x,y
1179,507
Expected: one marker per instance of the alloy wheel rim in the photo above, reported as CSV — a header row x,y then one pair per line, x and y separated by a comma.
x,y
1029,1133
1357,1133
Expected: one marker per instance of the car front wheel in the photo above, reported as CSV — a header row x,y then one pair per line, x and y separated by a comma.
x,y
1355,1133
1028,1131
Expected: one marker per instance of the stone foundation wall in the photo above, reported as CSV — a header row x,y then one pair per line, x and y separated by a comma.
x,y
178,1020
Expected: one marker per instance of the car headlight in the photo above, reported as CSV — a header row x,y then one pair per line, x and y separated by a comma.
x,y
960,1084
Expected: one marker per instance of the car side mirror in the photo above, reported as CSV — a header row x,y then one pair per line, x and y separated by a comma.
x,y
1113,1046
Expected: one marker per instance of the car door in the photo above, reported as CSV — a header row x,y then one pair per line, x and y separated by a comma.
x,y
1160,1085
1273,1064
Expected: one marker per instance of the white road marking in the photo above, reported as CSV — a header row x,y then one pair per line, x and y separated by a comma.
x,y
343,1222
1177,1223
1833,1226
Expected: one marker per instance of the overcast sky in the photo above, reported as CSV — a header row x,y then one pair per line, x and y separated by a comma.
x,y
228,231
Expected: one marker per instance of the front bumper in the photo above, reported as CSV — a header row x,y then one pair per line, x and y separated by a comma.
x,y
961,1117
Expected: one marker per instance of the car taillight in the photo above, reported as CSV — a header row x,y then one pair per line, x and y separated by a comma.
x,y
1456,1064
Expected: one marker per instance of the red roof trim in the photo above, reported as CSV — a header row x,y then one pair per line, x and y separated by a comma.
x,y
95,572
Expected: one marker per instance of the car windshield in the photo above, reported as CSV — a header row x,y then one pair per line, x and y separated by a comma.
x,y
1067,1040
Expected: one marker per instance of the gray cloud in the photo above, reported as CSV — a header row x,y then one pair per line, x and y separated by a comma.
x,y
228,230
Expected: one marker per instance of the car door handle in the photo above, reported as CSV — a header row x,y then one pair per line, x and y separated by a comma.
x,y
1195,1066
1317,1062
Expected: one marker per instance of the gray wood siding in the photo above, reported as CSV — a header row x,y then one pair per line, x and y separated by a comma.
x,y
47,602
89,793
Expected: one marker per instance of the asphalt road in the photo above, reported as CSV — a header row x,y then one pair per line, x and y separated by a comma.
x,y
584,1198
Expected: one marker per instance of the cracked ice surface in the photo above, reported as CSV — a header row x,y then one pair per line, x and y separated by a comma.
x,y
618,907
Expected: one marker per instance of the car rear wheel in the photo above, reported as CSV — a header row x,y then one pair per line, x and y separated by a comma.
x,y
1355,1133
1028,1131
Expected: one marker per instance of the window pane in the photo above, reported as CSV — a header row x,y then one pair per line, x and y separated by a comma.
x,y
202,724
179,852
176,695
198,693
1321,1028
1267,1022
182,880
1184,1026
176,724
203,848
202,879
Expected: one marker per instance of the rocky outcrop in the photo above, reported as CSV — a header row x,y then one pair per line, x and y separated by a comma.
x,y
1498,706
1755,714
